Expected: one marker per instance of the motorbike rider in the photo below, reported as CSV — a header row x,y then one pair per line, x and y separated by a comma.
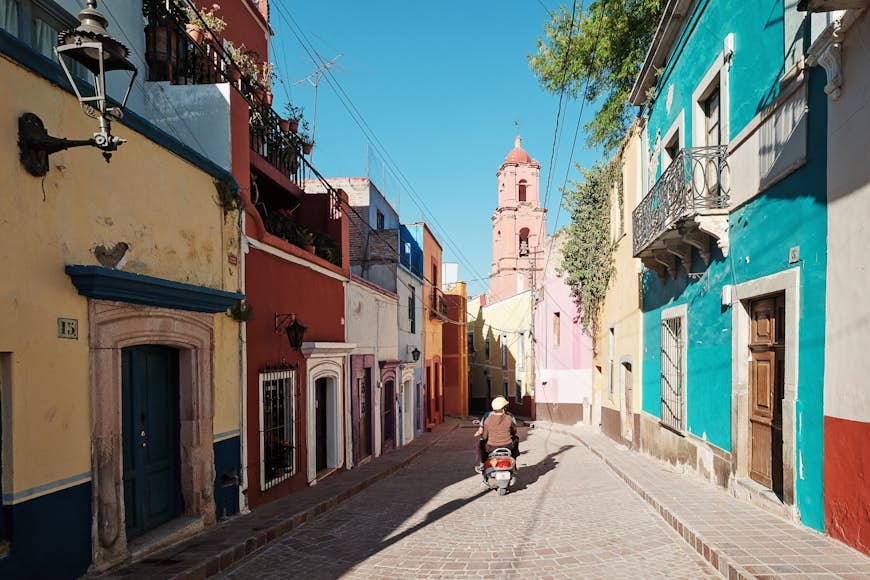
x,y
498,429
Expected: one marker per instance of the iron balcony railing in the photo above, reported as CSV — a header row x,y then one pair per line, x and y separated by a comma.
x,y
438,307
173,56
283,150
695,181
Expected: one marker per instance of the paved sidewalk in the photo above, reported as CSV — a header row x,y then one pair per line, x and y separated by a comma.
x,y
739,539
220,547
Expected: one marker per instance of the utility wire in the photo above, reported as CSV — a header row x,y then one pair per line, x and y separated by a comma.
x,y
372,137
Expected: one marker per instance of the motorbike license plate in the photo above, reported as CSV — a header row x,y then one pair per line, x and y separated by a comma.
x,y
502,474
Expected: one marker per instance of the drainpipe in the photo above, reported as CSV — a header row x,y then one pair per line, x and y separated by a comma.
x,y
243,379
348,419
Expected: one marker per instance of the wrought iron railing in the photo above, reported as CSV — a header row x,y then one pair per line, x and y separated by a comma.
x,y
438,307
173,56
283,150
696,180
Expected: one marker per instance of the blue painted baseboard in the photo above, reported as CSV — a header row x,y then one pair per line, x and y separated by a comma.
x,y
49,536
227,464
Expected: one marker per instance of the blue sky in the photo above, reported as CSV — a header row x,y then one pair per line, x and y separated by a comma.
x,y
441,85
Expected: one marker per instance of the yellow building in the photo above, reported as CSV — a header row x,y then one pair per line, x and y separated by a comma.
x,y
618,349
119,369
500,353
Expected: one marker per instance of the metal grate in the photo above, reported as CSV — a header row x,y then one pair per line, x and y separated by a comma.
x,y
673,390
277,427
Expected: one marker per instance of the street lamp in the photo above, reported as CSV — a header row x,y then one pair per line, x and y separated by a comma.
x,y
91,46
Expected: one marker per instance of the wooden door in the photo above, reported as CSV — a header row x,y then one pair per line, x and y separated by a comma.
x,y
150,437
766,382
320,425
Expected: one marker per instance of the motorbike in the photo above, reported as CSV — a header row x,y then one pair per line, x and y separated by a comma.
x,y
499,469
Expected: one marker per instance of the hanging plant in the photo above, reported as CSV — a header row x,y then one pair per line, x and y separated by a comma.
x,y
241,311
228,194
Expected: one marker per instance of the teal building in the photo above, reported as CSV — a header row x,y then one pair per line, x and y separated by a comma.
x,y
732,234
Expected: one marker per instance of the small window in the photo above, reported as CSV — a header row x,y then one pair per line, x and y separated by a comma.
x,y
380,220
486,349
672,373
521,191
521,351
611,346
412,310
504,389
277,427
671,150
519,388
557,328
470,342
37,23
504,352
524,242
489,387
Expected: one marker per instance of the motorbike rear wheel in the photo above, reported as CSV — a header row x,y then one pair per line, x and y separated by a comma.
x,y
502,491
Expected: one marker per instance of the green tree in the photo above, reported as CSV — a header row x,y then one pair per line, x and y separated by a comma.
x,y
604,48
587,256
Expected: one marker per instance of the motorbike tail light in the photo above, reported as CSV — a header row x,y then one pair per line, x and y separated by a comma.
x,y
504,463
492,462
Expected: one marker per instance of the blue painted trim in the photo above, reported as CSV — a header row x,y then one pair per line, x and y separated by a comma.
x,y
25,493
51,71
107,284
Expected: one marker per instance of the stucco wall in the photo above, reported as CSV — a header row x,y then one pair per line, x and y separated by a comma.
x,y
162,206
847,398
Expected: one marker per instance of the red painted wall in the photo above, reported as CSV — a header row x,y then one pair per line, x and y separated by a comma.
x,y
847,482
245,24
275,285
454,338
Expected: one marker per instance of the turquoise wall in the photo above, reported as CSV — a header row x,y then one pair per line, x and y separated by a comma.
x,y
755,71
791,213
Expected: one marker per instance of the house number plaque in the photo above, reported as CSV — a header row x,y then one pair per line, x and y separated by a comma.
x,y
68,328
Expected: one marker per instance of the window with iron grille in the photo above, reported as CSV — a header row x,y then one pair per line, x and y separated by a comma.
x,y
486,349
672,376
277,427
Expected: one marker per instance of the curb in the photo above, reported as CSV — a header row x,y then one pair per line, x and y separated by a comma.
x,y
711,554
218,562
227,558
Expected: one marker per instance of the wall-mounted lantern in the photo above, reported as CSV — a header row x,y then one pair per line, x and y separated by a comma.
x,y
295,331
415,354
91,46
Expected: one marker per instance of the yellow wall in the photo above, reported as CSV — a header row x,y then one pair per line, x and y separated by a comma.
x,y
161,205
431,324
621,307
508,316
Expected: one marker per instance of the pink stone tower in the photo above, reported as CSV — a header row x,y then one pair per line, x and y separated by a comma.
x,y
519,226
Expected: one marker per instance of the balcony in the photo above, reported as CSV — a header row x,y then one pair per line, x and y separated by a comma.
x,y
684,209
173,56
282,150
438,306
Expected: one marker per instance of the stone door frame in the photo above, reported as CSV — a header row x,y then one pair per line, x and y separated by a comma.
x,y
112,327
787,281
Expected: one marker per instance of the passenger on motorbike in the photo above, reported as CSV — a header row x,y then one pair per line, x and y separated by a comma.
x,y
498,429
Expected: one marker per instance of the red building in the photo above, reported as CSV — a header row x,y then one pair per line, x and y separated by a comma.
x,y
294,248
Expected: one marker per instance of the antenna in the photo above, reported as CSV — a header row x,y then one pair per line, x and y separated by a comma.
x,y
314,80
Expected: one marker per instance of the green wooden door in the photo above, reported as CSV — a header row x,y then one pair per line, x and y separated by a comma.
x,y
150,432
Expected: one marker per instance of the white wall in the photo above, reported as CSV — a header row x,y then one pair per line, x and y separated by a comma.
x,y
847,340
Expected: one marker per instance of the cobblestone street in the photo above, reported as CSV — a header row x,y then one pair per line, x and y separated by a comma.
x,y
568,516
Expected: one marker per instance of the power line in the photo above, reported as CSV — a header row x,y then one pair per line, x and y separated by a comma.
x,y
372,137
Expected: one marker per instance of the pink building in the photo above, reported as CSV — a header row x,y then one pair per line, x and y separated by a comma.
x,y
563,352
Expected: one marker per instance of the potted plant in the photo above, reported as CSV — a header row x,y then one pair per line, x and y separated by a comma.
x,y
265,76
294,114
233,70
206,22
307,145
161,36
